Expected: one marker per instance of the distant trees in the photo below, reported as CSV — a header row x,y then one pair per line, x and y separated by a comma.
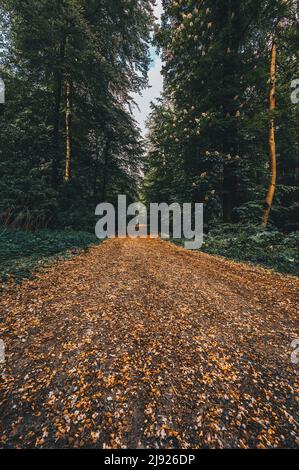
x,y
208,137
67,136
272,143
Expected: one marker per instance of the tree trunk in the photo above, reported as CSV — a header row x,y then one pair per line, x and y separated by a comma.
x,y
105,172
229,194
96,169
56,117
56,127
272,144
231,14
68,124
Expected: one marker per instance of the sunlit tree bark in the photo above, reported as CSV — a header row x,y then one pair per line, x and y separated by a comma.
x,y
68,122
272,145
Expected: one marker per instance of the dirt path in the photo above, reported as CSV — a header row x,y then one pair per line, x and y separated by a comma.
x,y
138,343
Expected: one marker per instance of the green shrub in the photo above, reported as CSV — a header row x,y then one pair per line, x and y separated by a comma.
x,y
21,252
251,244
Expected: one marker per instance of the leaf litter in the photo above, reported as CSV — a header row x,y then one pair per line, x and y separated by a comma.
x,y
138,343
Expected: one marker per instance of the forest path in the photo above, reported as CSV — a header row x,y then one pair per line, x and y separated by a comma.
x,y
138,343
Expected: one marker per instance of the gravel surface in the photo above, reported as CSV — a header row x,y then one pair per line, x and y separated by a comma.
x,y
138,343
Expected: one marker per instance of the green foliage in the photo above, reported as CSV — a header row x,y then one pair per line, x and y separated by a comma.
x,y
207,136
249,243
103,49
22,252
208,139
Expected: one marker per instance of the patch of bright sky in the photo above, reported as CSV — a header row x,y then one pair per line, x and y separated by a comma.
x,y
155,83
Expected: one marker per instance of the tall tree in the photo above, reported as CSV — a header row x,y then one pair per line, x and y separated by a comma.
x,y
68,125
75,64
213,121
272,144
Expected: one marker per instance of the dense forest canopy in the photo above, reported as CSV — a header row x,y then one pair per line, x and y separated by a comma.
x,y
68,136
209,135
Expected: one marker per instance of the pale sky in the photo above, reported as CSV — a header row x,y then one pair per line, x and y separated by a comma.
x,y
155,82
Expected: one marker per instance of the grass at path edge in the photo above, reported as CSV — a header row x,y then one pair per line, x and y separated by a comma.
x,y
23,252
250,244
